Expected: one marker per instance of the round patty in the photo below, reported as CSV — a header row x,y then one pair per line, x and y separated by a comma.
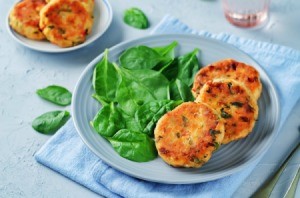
x,y
229,68
188,135
89,4
65,23
235,104
24,18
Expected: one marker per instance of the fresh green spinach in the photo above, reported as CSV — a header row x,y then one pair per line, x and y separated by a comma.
x,y
50,122
140,57
56,94
108,120
167,51
134,96
180,91
133,146
136,18
183,68
149,113
106,79
188,66
140,86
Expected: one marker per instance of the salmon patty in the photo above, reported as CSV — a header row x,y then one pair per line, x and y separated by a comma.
x,y
232,69
24,18
188,135
235,104
65,23
89,4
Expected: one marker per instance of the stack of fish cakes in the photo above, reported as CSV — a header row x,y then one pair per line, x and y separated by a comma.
x,y
230,89
65,23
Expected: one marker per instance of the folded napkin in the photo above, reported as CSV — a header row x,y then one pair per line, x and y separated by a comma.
x,y
68,155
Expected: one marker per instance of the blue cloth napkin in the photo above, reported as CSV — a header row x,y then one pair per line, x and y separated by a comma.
x,y
67,154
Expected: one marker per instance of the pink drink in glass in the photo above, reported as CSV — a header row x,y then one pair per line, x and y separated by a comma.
x,y
246,13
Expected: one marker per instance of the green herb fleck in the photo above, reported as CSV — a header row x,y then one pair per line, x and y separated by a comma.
x,y
214,132
185,121
197,160
229,87
237,104
225,114
216,145
61,31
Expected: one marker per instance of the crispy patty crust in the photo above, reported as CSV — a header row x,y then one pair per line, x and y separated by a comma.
x,y
229,68
235,104
188,135
65,23
24,18
89,4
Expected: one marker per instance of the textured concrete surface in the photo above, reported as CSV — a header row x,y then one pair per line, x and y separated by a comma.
x,y
23,71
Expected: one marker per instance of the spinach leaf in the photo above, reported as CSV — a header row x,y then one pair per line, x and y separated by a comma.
x,y
167,51
108,120
136,18
134,146
170,70
56,94
180,91
105,80
183,68
50,122
149,113
140,57
140,86
130,122
188,66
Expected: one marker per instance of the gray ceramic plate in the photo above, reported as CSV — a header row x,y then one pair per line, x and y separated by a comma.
x,y
228,159
102,19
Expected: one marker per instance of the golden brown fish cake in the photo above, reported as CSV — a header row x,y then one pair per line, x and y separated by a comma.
x,y
89,4
65,23
229,68
188,135
25,17
235,104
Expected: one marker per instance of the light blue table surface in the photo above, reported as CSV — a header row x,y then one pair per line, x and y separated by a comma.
x,y
23,71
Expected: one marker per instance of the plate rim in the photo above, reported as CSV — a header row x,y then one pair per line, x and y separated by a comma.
x,y
220,175
61,50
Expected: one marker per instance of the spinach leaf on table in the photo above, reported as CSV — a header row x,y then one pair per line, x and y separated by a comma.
x,y
149,113
105,80
50,122
108,120
136,18
56,94
140,86
140,57
134,146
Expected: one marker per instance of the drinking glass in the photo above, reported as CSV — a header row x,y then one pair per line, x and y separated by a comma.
x,y
246,13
